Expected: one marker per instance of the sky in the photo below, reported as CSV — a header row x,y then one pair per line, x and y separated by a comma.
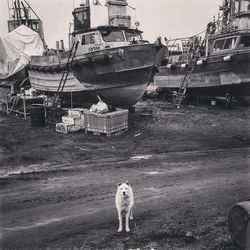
x,y
165,18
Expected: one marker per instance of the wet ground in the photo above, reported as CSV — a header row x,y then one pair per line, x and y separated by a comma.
x,y
187,168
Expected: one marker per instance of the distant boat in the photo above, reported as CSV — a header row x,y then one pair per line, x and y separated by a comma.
x,y
112,60
223,67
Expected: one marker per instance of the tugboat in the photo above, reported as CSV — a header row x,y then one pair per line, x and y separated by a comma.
x,y
111,60
223,63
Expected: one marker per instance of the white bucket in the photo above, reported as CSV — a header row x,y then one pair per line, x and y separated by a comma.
x,y
213,103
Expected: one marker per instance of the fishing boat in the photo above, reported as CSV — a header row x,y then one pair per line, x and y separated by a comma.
x,y
222,68
112,60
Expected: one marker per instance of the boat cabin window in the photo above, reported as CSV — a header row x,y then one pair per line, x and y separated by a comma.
x,y
132,36
88,39
81,16
230,43
244,6
244,41
236,7
223,44
218,45
241,6
112,36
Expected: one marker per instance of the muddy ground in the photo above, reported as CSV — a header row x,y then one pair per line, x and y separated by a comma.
x,y
187,168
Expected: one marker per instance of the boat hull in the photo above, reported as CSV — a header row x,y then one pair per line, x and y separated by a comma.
x,y
215,77
119,75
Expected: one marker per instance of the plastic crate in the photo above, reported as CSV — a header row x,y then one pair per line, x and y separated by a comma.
x,y
106,123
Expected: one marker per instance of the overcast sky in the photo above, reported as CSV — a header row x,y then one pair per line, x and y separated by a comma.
x,y
166,18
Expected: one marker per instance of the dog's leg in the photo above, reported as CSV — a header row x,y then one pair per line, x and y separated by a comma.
x,y
127,222
131,214
120,221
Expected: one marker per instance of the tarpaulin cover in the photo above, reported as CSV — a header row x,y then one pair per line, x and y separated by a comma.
x,y
16,48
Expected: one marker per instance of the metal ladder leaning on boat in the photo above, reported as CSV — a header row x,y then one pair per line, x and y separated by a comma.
x,y
64,78
194,55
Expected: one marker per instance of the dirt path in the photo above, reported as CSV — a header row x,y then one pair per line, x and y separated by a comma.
x,y
187,169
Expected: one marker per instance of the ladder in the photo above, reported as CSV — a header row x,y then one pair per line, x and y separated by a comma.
x,y
194,52
64,77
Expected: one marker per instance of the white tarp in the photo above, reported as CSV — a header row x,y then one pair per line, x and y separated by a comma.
x,y
16,48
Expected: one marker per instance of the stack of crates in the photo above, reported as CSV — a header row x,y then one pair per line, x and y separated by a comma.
x,y
73,122
108,123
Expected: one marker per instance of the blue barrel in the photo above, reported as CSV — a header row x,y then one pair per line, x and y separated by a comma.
x,y
37,115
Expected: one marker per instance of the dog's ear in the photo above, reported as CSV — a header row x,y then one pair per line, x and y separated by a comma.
x,y
119,184
127,182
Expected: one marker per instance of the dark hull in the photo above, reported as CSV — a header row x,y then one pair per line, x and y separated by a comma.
x,y
119,75
117,97
129,91
215,77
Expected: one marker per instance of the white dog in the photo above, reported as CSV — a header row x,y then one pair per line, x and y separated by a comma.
x,y
124,201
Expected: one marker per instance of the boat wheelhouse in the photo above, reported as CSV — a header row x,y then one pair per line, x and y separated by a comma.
x,y
106,37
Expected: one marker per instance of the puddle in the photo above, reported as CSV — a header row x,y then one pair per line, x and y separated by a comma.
x,y
140,157
154,173
172,170
51,186
151,189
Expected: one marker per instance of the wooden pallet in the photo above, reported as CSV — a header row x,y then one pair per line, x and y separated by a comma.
x,y
108,134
